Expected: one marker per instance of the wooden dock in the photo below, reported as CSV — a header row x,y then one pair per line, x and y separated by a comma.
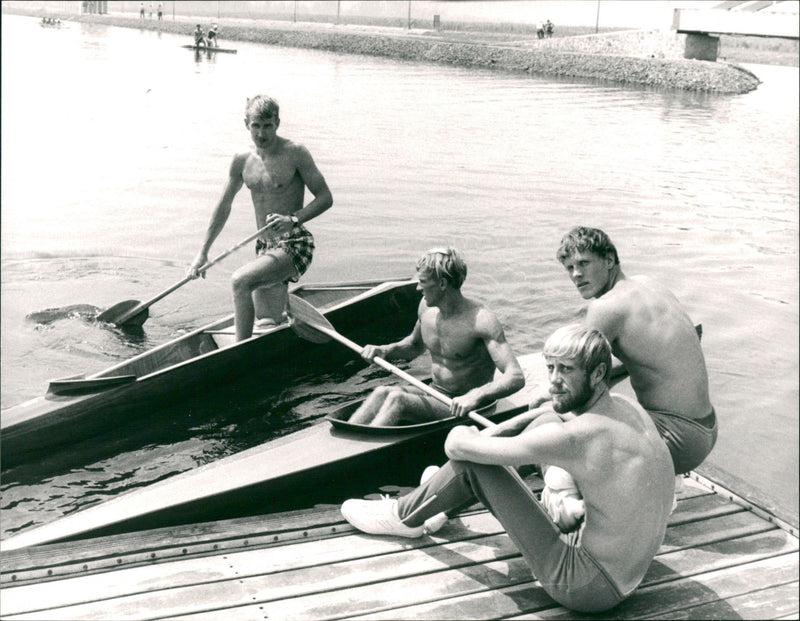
x,y
722,558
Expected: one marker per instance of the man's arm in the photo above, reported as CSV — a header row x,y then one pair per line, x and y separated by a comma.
x,y
405,349
556,443
517,424
511,377
316,184
220,214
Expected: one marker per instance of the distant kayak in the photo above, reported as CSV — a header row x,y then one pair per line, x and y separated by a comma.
x,y
205,48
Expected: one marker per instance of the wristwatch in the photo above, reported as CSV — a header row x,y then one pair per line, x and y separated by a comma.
x,y
295,221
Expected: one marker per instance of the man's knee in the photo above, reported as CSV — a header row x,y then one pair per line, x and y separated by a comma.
x,y
396,398
242,280
381,392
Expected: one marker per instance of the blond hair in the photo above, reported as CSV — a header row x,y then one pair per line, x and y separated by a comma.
x,y
443,263
586,345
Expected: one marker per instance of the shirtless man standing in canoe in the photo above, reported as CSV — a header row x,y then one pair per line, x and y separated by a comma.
x,y
466,343
654,339
276,172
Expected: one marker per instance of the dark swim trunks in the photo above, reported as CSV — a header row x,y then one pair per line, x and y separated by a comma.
x,y
297,243
689,440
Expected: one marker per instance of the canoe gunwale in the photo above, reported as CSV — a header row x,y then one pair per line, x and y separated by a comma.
x,y
24,425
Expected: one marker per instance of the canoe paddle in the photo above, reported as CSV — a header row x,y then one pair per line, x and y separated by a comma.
x,y
135,313
308,323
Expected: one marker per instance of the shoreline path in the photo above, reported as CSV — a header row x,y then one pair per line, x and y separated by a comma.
x,y
649,58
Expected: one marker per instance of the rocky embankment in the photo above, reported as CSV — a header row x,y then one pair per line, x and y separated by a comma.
x,y
648,58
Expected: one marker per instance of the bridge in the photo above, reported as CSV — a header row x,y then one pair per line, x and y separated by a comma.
x,y
766,18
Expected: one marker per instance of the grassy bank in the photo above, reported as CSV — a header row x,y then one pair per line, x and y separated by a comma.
x,y
520,53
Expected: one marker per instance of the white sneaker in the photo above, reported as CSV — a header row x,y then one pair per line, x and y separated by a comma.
x,y
432,524
378,517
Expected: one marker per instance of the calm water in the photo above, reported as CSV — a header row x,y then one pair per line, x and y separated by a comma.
x,y
116,145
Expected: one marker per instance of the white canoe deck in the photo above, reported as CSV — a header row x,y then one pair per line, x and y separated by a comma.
x,y
720,559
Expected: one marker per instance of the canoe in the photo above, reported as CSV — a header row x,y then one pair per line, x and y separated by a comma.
x,y
203,48
78,407
326,451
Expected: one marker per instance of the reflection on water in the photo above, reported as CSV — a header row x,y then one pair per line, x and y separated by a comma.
x,y
699,191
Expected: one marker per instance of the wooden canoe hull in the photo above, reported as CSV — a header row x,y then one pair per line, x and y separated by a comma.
x,y
171,370
203,48
308,457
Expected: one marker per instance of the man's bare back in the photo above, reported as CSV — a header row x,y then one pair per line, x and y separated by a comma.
x,y
655,339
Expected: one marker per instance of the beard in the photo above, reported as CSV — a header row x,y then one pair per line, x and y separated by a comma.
x,y
572,401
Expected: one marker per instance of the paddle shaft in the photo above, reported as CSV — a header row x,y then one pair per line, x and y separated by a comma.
x,y
402,374
138,309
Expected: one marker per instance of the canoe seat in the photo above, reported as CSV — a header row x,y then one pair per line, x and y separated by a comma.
x,y
227,336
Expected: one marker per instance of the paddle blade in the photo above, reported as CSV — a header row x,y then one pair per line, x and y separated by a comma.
x,y
134,321
307,322
119,310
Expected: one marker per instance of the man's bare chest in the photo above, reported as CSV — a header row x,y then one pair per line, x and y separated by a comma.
x,y
270,175
450,339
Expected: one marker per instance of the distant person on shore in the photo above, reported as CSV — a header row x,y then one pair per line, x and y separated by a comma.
x,y
150,9
212,36
199,38
277,172
540,30
141,10
548,28
466,343
653,337
606,442
160,11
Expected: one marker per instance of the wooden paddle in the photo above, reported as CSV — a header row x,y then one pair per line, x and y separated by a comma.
x,y
135,313
308,323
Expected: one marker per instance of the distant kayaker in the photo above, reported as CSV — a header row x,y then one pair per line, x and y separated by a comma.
x,y
609,446
199,38
466,343
653,337
277,173
212,36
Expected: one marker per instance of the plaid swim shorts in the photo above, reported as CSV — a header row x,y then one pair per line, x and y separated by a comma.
x,y
297,243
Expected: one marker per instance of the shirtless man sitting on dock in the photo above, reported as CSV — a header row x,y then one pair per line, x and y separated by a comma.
x,y
277,173
466,343
653,337
606,442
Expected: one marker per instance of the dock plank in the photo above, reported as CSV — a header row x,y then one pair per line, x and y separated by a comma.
x,y
719,559
702,589
769,603
349,566
709,557
253,561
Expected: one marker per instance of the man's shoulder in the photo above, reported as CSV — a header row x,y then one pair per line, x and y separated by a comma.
x,y
291,147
